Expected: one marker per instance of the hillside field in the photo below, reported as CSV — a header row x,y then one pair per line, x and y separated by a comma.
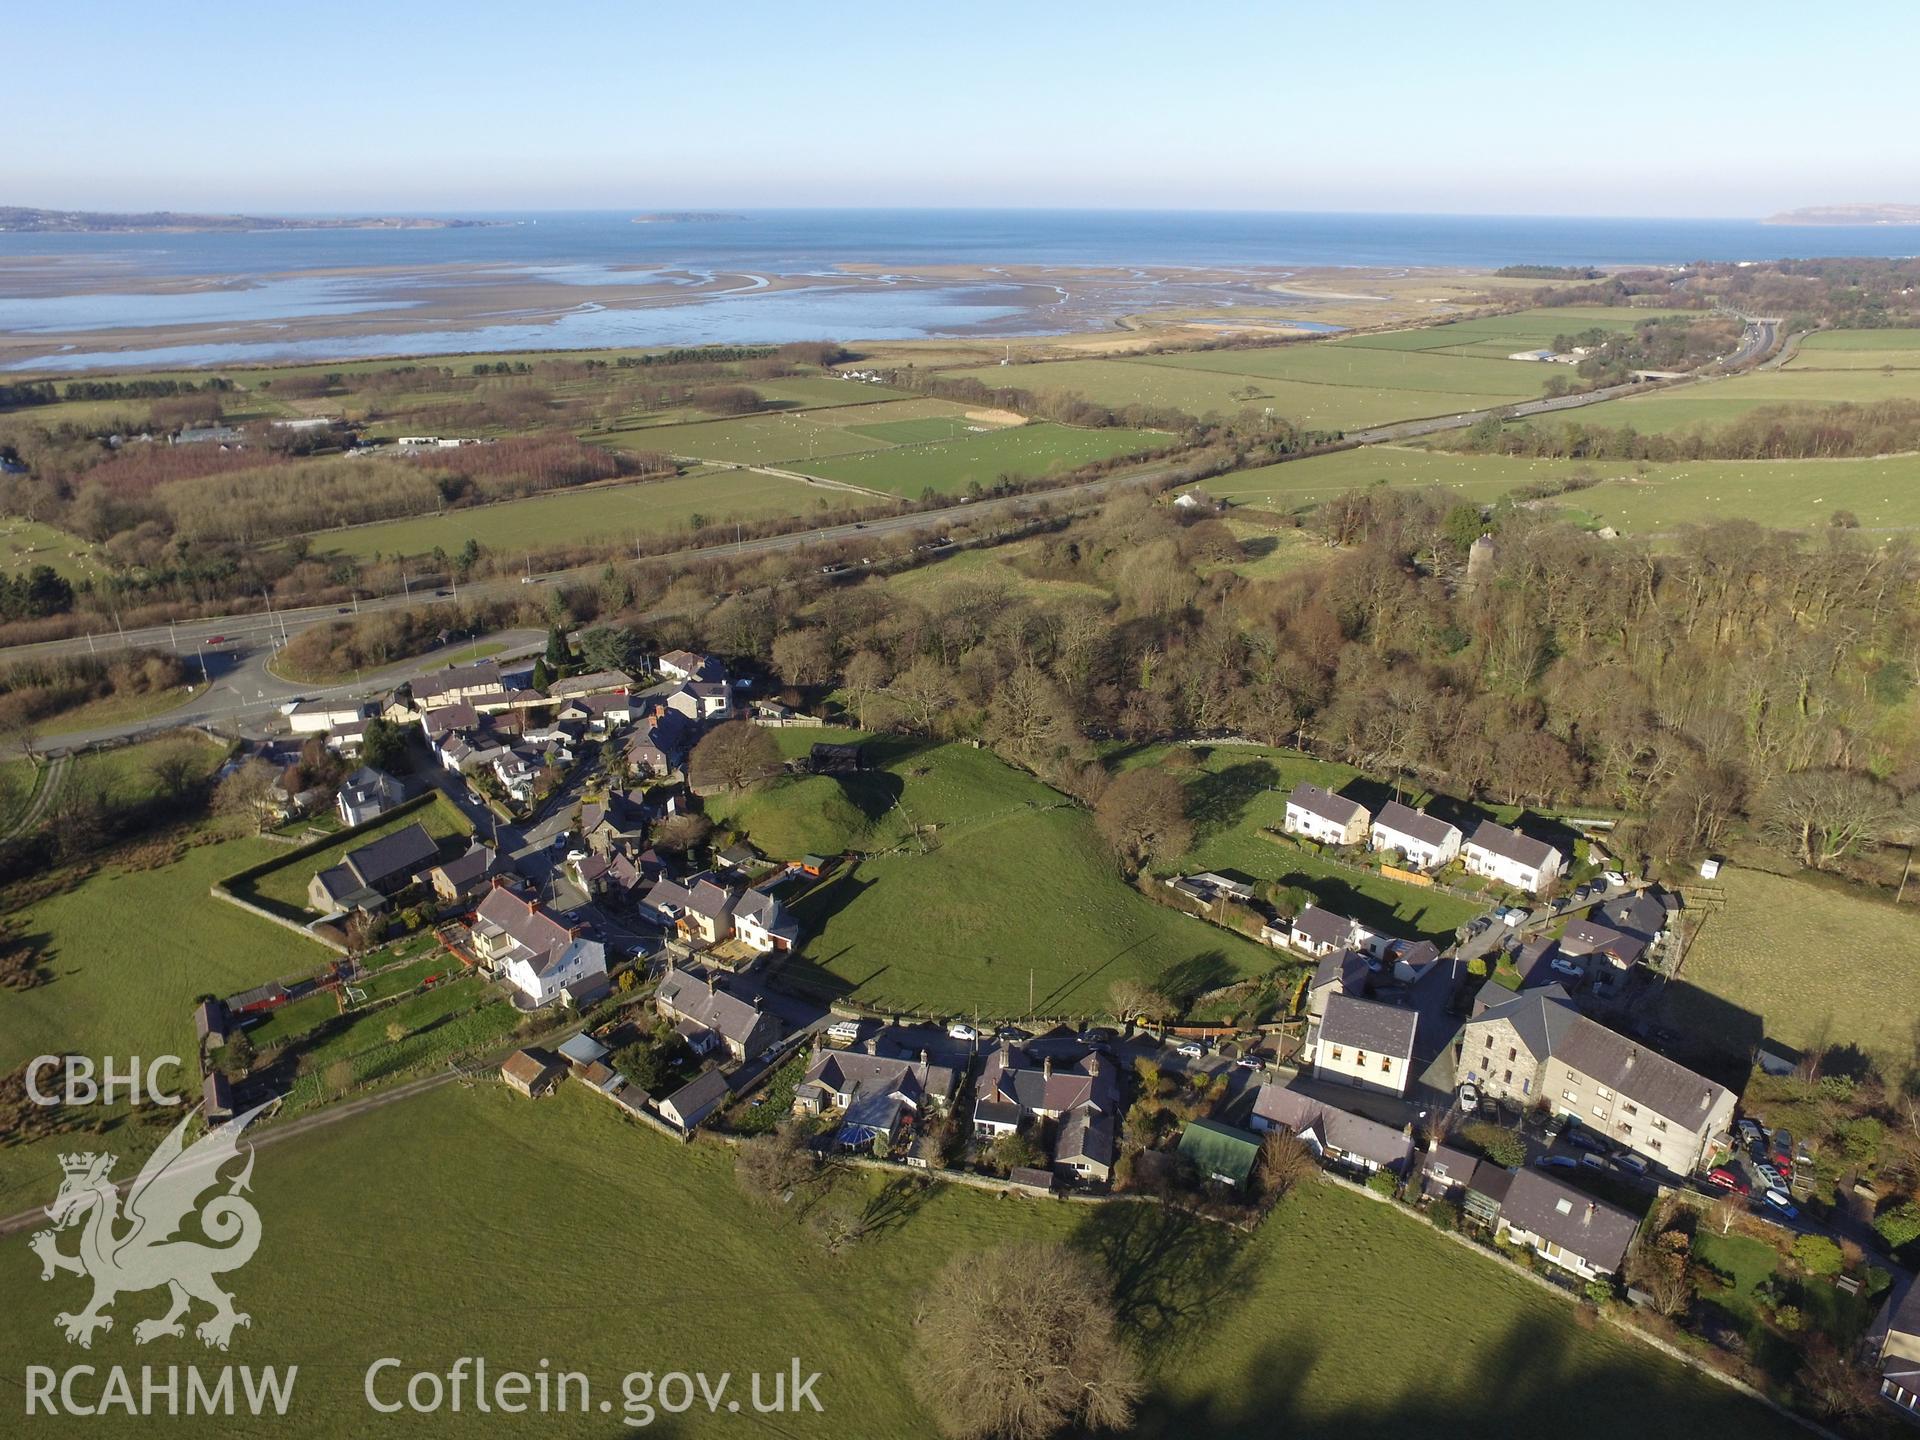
x,y
951,466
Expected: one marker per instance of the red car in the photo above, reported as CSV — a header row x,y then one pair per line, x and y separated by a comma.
x,y
1729,1180
214,640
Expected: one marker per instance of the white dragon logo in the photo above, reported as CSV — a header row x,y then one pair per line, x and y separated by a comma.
x,y
148,1255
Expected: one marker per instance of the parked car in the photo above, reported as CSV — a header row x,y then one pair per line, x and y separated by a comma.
x,y
1595,1162
1556,1162
1727,1179
1614,879
1563,966
1770,1177
1469,1097
1631,1162
1783,1149
1513,915
1192,1050
1248,1062
1749,1129
1099,1035
1782,1205
1581,1140
1551,1130
960,1030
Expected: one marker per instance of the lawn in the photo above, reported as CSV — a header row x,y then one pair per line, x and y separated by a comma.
x,y
125,771
1237,791
950,466
119,710
1013,887
1746,1263
458,1018
284,887
1632,497
392,1235
606,512
1849,974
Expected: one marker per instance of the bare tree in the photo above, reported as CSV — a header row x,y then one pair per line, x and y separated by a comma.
x,y
866,676
769,1168
1822,816
1285,1161
680,833
175,767
1020,1342
736,755
247,792
1142,815
1131,998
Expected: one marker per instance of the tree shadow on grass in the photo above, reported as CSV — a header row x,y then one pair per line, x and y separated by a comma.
x,y
1218,799
1185,981
1169,1269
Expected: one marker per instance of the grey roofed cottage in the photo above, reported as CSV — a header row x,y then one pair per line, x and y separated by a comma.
x,y
744,1028
463,875
1588,937
1321,928
1511,844
696,1100
1429,829
1640,913
1318,800
1566,1226
366,875
1331,1132
598,682
1368,1025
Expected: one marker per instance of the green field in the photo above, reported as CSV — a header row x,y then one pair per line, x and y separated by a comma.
x,y
284,887
951,466
1851,973
392,1235
1633,497
26,544
585,516
752,439
1498,336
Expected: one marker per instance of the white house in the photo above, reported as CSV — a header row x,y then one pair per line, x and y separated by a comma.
x,y
1321,932
1364,1043
701,700
1512,858
763,924
1426,841
542,977
310,717
1321,815
687,665
367,793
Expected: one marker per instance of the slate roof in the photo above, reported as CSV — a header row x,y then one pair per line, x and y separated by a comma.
x,y
693,998
401,853
1336,1129
1595,1231
1323,927
1540,1017
1427,829
1368,1025
1317,800
1585,937
1643,1076
699,1097
469,868
1011,1076
1640,913
1511,845
1085,1134
598,682
844,1072
769,914
1346,968
537,935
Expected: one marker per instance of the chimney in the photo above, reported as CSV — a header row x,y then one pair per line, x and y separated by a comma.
x,y
871,1045
1046,1068
1093,1064
1591,1208
923,1057
1632,1050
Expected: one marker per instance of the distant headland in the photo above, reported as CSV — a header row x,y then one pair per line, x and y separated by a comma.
x,y
686,217
96,222
1848,215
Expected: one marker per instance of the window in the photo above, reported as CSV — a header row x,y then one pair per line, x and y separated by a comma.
x,y
1572,1095
1512,1053
1386,1062
1659,1124
1508,1077
1360,1058
1653,1144
1630,1109
1603,1092
1335,1054
1625,1129
1489,1042
1599,1111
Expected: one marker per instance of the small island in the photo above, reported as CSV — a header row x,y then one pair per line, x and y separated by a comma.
x,y
1848,215
686,217
21,218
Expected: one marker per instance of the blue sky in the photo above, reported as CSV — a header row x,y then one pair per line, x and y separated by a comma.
x,y
1626,108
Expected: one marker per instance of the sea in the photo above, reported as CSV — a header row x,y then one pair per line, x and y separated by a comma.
x,y
293,279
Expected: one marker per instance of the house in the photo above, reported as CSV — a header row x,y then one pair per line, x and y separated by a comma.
x,y
347,739
1412,959
1336,1136
1511,858
1478,1187
686,665
530,1072
763,924
210,1024
710,1019
882,1098
367,794
525,943
659,742
1319,814
700,700
461,879
1537,1046
599,713
1208,888
1222,1154
1565,1226
518,774
1445,1172
366,876
1364,1043
1425,841
456,683
696,1100
598,682
1642,914
444,720
1320,932
609,823
1340,972
216,1097
701,907
1587,937
1895,1340
1014,1090
310,717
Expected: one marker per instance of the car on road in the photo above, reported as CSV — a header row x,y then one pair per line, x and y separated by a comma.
x,y
1595,1162
1580,1140
1631,1163
1782,1204
214,640
960,1030
342,610
1556,1162
1726,1179
1192,1050
441,594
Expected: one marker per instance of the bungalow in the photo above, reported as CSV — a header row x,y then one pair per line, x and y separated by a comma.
x,y
763,923
366,876
881,1097
1364,1043
530,1072
696,1100
686,665
1512,858
710,1019
1565,1226
700,700
367,794
598,682
1319,814
1895,1340
1427,843
1334,1135
1222,1154
1320,932
1208,888
310,717
1588,937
